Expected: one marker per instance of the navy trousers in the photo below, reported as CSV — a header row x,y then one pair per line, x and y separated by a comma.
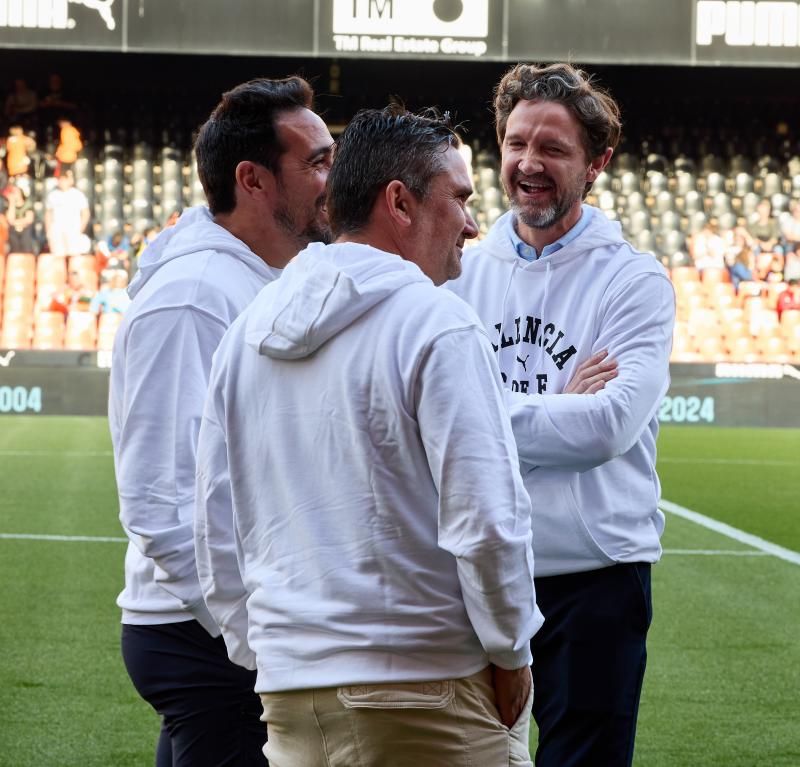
x,y
588,665
210,713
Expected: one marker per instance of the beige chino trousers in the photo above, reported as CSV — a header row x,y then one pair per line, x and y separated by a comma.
x,y
451,723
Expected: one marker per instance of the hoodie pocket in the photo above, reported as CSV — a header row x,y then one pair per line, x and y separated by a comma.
x,y
562,541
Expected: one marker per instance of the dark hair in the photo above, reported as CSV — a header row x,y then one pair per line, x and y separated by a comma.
x,y
377,147
242,127
593,107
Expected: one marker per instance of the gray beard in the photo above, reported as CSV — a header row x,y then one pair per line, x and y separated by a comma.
x,y
543,218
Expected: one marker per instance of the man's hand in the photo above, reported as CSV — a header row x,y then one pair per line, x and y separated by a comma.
x,y
592,374
511,691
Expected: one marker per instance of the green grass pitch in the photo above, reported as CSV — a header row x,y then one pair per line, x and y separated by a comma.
x,y
724,654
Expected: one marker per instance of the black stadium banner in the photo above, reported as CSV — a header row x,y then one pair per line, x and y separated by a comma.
x,y
242,27
679,32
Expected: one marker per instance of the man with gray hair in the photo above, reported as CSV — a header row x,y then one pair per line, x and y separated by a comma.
x,y
376,567
565,300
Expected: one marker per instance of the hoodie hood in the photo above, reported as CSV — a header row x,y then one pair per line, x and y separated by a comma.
x,y
325,289
194,230
600,232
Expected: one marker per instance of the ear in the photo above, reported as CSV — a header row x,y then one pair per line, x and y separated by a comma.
x,y
253,179
598,164
400,203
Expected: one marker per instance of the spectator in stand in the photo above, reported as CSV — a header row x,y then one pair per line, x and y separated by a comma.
x,y
790,227
66,216
69,145
20,217
112,297
790,298
75,296
21,104
740,266
18,148
772,268
55,104
791,265
763,228
707,248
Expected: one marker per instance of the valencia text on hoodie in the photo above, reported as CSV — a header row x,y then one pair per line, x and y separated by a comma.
x,y
355,424
193,280
588,461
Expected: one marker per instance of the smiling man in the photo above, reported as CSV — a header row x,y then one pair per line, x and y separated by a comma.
x,y
263,157
561,294
376,568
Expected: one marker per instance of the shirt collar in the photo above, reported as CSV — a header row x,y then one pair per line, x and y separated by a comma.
x,y
528,252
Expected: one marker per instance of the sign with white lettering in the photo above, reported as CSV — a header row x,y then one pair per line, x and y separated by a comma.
x,y
61,23
415,28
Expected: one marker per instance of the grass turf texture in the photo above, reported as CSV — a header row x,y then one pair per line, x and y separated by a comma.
x,y
724,665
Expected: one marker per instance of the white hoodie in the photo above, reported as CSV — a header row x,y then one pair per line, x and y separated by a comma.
x,y
380,529
193,280
588,461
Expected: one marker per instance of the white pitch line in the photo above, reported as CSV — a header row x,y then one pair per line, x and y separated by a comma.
x,y
729,461
58,453
718,552
69,538
732,532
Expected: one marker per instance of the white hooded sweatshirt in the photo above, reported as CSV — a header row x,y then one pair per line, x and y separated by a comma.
x,y
380,529
588,461
193,280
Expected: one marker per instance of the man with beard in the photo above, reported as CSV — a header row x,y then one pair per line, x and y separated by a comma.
x,y
263,158
581,324
352,542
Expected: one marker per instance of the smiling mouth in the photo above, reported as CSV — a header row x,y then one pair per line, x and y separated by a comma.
x,y
534,187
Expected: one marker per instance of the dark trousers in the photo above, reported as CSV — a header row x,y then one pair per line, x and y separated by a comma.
x,y
588,665
210,713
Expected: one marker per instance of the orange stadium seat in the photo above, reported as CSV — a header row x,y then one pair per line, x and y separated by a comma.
x,y
16,333
743,349
748,290
774,289
764,323
51,270
17,306
81,332
715,275
790,317
81,263
685,274
711,349
49,331
773,349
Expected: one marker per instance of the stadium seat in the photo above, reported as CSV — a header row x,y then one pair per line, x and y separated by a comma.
x,y
82,263
81,331
16,333
773,349
685,274
743,349
763,323
711,349
790,318
49,331
748,291
714,276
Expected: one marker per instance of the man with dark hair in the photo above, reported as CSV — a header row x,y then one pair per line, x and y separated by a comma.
x,y
262,148
562,294
376,568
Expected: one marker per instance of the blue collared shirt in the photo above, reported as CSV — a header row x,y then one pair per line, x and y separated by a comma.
x,y
528,252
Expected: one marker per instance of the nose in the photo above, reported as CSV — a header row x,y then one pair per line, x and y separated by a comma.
x,y
530,163
470,227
